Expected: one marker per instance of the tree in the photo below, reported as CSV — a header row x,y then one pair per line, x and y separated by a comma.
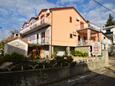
x,y
110,21
1,45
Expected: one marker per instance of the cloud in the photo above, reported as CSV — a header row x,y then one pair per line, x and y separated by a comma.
x,y
13,13
98,14
89,5
69,1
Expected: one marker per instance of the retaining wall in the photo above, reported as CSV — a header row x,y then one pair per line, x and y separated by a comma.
x,y
47,76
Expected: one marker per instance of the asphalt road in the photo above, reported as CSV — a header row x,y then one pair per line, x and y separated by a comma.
x,y
103,77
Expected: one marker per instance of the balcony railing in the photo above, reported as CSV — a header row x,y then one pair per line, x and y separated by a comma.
x,y
85,43
42,41
39,23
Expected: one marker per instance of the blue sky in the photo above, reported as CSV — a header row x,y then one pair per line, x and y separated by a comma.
x,y
13,13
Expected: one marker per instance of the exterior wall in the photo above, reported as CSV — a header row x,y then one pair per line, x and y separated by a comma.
x,y
45,15
99,36
113,30
62,27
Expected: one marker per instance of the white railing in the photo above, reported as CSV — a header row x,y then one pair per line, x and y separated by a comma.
x,y
41,41
34,25
44,41
85,43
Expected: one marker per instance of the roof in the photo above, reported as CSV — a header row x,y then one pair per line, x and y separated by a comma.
x,y
15,39
61,8
55,9
35,18
109,27
85,29
94,27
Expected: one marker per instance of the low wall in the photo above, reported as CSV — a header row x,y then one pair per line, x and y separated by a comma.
x,y
92,62
47,76
44,77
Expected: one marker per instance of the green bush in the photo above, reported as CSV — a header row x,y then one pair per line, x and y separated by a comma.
x,y
79,53
73,52
13,57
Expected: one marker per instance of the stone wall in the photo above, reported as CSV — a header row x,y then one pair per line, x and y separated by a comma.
x,y
47,76
43,77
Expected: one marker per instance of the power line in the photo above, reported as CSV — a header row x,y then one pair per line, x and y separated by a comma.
x,y
104,6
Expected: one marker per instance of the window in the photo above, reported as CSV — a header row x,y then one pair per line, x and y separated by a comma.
x,y
43,35
84,38
78,37
47,14
71,36
81,25
77,20
70,19
41,16
16,34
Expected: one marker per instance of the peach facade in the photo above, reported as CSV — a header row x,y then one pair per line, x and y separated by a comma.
x,y
62,27
59,29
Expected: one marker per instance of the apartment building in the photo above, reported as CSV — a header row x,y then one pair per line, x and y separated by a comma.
x,y
58,30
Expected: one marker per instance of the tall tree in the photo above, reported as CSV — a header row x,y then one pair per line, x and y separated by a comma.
x,y
110,21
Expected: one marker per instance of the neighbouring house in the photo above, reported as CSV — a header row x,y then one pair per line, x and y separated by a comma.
x,y
109,32
16,45
59,31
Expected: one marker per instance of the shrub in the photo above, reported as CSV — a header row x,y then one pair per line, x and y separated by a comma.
x,y
73,52
85,54
14,57
79,53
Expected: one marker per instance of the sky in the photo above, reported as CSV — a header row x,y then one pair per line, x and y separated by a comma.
x,y
13,13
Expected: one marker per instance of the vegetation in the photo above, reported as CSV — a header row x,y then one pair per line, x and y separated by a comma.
x,y
14,57
79,53
54,53
1,45
63,61
20,63
110,21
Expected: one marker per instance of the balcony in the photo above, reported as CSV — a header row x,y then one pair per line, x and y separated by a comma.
x,y
42,41
85,43
35,26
